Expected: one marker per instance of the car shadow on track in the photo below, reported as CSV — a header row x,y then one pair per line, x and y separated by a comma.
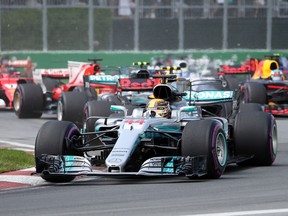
x,y
94,181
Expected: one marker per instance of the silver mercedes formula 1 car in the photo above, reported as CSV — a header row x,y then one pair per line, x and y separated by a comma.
x,y
194,133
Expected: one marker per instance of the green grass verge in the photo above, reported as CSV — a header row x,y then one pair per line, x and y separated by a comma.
x,y
11,160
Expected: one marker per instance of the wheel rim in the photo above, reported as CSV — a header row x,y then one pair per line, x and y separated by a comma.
x,y
221,149
274,140
60,111
16,101
84,127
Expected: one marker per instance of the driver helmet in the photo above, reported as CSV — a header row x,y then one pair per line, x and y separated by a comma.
x,y
277,75
160,108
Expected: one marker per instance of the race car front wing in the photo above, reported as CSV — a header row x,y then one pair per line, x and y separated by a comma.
x,y
59,165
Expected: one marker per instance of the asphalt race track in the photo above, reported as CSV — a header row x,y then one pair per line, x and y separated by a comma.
x,y
20,132
240,191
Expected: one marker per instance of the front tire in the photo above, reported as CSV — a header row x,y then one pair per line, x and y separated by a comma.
x,y
206,138
90,92
52,139
95,108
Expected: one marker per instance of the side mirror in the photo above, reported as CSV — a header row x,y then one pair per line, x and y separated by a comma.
x,y
190,111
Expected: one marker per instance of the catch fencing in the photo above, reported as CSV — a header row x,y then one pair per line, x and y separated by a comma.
x,y
142,25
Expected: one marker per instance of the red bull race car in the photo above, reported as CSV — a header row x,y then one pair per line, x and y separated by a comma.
x,y
263,81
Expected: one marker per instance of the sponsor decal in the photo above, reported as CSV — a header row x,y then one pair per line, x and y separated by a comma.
x,y
104,78
209,95
131,121
115,160
235,69
10,86
131,83
57,72
131,124
156,164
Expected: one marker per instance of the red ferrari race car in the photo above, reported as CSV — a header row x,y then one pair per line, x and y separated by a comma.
x,y
32,99
13,72
266,82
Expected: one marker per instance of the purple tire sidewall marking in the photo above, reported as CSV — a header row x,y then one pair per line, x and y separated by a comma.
x,y
71,130
213,150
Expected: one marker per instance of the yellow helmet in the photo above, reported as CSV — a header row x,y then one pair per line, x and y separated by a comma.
x,y
264,68
160,107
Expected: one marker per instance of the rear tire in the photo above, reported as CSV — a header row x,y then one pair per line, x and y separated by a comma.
x,y
207,138
250,107
28,101
52,140
70,107
255,134
255,93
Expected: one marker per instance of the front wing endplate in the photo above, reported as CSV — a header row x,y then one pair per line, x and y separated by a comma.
x,y
63,165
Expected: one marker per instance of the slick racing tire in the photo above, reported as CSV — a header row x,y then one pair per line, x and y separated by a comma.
x,y
93,110
53,139
97,109
206,138
90,92
28,101
255,137
50,83
117,99
250,107
255,92
70,107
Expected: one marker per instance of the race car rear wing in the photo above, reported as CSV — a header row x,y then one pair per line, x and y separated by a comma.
x,y
103,79
57,73
52,73
27,65
137,84
248,68
123,82
20,63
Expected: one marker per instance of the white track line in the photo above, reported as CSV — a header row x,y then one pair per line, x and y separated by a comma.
x,y
5,142
241,213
